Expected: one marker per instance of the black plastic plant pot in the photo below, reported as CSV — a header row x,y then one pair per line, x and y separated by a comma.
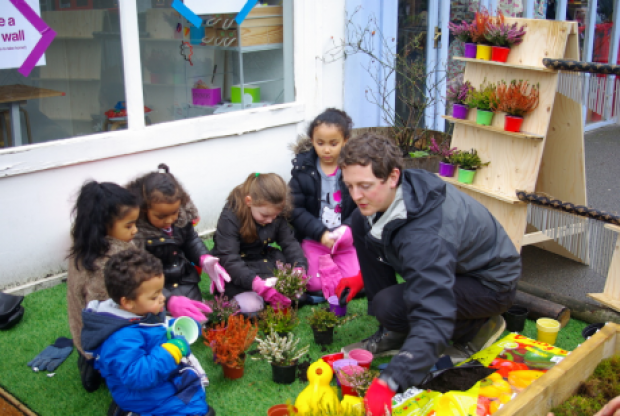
x,y
323,337
284,374
515,318
591,329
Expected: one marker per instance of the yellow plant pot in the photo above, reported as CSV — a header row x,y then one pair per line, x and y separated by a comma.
x,y
483,52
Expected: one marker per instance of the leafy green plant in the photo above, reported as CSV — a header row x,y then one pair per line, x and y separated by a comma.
x,y
279,350
484,98
222,310
279,321
291,280
322,319
517,98
419,154
360,382
468,160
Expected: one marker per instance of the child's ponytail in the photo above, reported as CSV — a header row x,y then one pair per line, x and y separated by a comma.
x,y
158,187
97,207
263,188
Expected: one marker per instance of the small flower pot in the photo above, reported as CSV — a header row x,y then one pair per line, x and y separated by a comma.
x,y
591,329
466,175
330,359
484,117
460,111
344,362
232,373
446,169
515,318
483,52
283,374
470,50
499,53
323,337
345,387
363,357
334,306
513,123
278,410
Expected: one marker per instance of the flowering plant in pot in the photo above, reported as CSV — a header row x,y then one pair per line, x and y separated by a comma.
x,y
291,280
271,320
230,344
502,36
323,322
484,100
222,310
463,33
446,167
468,163
457,93
282,353
359,381
516,99
478,30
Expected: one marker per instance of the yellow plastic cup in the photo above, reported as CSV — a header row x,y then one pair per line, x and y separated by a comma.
x,y
483,52
547,330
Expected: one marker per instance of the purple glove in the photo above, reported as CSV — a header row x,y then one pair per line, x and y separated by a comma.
x,y
182,306
268,293
342,237
219,276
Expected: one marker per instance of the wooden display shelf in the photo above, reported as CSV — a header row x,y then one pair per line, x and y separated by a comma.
x,y
496,195
494,129
503,64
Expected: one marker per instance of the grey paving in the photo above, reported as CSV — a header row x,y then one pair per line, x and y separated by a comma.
x,y
556,273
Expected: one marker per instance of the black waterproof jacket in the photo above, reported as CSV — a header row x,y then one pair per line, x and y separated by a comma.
x,y
244,261
431,234
305,185
179,253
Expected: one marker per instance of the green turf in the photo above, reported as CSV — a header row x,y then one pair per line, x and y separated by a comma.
x,y
46,319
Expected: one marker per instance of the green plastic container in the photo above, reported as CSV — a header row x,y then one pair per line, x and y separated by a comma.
x,y
466,176
250,90
484,117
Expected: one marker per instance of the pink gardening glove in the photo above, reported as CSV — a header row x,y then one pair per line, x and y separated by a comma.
x,y
182,306
219,276
342,237
263,288
329,274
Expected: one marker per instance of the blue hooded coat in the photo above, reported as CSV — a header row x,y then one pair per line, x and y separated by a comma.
x,y
141,375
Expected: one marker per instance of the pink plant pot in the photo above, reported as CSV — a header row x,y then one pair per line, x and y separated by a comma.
x,y
363,357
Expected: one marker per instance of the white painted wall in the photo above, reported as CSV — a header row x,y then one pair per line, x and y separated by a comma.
x,y
209,155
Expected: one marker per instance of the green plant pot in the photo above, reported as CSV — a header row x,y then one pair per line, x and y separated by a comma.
x,y
466,176
484,117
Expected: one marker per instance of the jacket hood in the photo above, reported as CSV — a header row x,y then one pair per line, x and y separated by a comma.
x,y
424,192
302,145
102,319
187,213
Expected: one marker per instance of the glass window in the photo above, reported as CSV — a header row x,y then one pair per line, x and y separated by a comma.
x,y
80,79
192,72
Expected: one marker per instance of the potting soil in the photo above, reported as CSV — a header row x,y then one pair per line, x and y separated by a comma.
x,y
456,378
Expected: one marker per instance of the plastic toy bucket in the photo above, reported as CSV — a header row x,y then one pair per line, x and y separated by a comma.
x,y
186,327
547,330
330,359
363,357
334,306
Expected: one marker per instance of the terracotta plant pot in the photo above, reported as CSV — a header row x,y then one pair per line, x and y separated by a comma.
x,y
278,410
513,123
232,373
460,111
470,50
283,374
446,169
484,117
499,53
483,52
323,337
466,176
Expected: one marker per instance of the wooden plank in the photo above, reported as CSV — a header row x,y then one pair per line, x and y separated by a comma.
x,y
559,383
544,39
75,23
535,237
612,227
19,92
503,132
504,64
477,189
606,300
253,36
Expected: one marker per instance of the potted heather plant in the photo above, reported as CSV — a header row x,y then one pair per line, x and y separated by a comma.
x,y
463,33
478,30
446,167
282,353
468,163
323,322
230,344
503,36
516,99
222,310
357,381
483,99
291,280
457,94
272,320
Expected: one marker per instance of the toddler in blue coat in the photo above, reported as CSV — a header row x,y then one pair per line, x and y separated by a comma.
x,y
146,372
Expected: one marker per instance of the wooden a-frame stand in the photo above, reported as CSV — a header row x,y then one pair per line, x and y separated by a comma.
x,y
547,155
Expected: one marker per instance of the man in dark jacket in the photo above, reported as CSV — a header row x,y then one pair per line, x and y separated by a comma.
x,y
459,266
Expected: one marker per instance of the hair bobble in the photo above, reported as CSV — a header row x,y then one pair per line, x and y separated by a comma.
x,y
256,174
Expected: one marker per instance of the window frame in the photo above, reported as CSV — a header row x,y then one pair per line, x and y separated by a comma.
x,y
138,137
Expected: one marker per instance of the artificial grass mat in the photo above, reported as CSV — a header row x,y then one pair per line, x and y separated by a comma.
x,y
45,319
